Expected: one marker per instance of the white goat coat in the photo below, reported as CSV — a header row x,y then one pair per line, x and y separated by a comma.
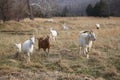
x,y
18,47
27,47
53,33
50,20
82,39
98,26
85,42
64,27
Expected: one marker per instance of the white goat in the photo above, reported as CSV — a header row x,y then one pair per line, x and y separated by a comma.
x,y
53,34
50,20
64,27
18,48
85,39
26,47
98,26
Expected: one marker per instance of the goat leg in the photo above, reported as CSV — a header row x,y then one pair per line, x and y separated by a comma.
x,y
28,54
16,55
79,51
87,56
45,52
48,50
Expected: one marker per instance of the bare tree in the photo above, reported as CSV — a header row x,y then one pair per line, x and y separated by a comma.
x,y
5,9
20,9
30,13
46,8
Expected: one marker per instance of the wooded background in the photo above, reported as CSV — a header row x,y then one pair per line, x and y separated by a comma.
x,y
20,9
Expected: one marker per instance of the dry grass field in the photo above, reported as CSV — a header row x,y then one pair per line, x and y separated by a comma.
x,y
63,62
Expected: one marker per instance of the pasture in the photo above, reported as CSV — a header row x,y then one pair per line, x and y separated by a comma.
x,y
63,62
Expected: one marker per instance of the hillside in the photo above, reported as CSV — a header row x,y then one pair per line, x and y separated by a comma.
x,y
63,62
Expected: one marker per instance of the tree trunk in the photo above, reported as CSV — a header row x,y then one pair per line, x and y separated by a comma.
x,y
30,14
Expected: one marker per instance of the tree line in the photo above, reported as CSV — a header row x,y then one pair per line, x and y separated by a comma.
x,y
20,9
100,9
